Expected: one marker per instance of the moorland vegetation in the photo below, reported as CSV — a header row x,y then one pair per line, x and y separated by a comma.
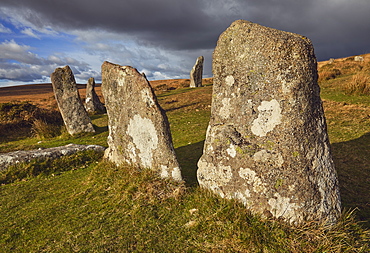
x,y
82,203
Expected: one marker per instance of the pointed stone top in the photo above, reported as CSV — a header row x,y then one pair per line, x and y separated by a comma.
x,y
69,102
139,132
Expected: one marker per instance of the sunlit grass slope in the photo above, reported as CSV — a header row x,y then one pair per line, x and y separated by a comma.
x,y
85,204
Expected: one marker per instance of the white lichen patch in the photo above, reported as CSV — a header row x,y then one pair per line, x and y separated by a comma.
x,y
231,151
226,108
282,207
144,137
121,80
214,177
229,80
147,98
266,156
164,171
268,118
238,195
252,179
176,173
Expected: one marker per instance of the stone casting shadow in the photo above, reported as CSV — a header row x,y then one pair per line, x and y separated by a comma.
x,y
188,157
351,158
352,161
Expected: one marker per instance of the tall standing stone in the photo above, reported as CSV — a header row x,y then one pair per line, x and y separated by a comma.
x,y
69,102
139,132
267,143
92,101
196,73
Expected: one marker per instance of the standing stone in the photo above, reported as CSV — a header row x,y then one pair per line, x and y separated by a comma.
x,y
267,143
139,132
92,102
69,102
196,73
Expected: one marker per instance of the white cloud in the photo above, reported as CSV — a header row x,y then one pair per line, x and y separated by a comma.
x,y
23,19
4,29
160,76
10,50
55,59
29,32
17,62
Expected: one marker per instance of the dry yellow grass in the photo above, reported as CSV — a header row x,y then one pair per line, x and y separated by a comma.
x,y
359,84
355,75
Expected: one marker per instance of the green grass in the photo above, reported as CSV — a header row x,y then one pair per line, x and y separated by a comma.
x,y
331,90
102,208
83,204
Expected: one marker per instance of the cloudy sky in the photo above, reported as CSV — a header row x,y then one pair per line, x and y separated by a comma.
x,y
162,38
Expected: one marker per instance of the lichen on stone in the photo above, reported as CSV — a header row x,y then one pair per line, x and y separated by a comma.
x,y
269,116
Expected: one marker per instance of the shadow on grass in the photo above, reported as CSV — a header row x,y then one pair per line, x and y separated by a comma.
x,y
352,161
99,129
100,122
188,157
180,107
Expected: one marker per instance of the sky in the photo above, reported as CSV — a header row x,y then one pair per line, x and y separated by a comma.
x,y
161,38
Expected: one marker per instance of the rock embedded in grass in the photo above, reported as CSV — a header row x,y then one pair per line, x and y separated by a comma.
x,y
69,102
24,156
139,132
267,143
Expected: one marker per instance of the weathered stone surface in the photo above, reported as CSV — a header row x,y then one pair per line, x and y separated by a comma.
x,y
70,106
359,58
139,132
92,101
12,158
196,73
267,143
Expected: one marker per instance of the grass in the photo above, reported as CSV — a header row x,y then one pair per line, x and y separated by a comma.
x,y
347,110
84,204
102,208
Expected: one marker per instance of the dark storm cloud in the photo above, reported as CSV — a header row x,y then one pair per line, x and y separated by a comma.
x,y
336,27
176,24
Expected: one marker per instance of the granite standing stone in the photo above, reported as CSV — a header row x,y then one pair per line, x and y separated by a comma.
x,y
267,143
69,102
92,102
196,73
139,132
